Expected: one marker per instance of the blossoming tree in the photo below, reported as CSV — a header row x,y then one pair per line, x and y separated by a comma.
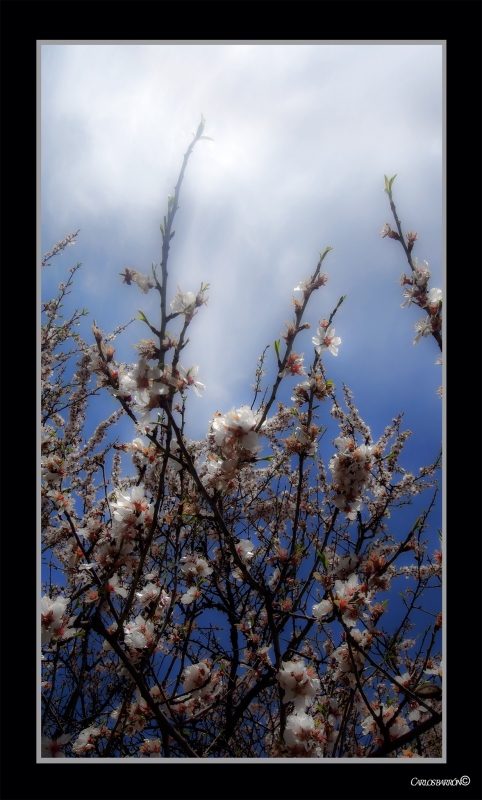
x,y
228,598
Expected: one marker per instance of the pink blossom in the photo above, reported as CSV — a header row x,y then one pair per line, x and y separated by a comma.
x,y
51,612
294,366
195,675
51,748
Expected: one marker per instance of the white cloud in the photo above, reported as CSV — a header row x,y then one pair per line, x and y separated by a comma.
x,y
302,137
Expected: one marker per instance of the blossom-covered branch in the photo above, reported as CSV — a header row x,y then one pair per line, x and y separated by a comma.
x,y
416,289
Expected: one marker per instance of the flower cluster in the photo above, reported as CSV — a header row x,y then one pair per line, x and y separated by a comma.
x,y
348,597
186,378
195,567
195,676
300,683
416,291
138,714
59,247
303,735
139,633
303,440
153,594
131,513
315,383
350,469
347,657
245,550
151,748
85,740
416,285
397,725
308,286
294,366
201,685
235,434
219,473
52,616
145,385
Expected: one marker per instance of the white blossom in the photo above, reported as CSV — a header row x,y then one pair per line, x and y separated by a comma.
x,y
234,433
326,340
182,302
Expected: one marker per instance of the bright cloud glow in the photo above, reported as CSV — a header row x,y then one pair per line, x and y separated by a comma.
x,y
303,135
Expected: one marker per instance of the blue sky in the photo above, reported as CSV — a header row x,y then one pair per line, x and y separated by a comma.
x,y
303,134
